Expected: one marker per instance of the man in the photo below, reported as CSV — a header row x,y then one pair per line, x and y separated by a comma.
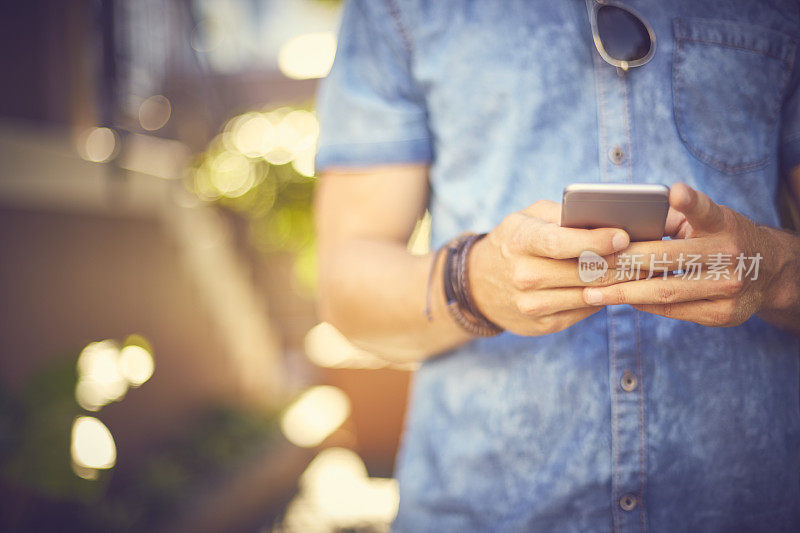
x,y
661,404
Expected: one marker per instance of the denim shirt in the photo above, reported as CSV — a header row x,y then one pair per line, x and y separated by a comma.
x,y
508,101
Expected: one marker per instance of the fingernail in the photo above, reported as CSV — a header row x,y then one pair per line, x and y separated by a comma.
x,y
592,296
620,241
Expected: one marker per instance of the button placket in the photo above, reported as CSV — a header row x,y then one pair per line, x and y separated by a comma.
x,y
627,410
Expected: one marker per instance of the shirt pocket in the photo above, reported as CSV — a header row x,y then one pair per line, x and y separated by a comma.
x,y
728,80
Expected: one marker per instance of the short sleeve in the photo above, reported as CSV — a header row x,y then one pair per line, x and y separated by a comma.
x,y
370,108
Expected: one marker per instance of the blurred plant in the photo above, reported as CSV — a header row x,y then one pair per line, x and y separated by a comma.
x,y
262,166
57,460
36,454
50,445
218,442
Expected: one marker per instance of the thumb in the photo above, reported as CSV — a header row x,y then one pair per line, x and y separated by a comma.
x,y
546,210
700,211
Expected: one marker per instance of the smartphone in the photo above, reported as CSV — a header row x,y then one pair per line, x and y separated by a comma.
x,y
639,209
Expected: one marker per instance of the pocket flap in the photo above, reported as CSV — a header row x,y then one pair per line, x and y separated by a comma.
x,y
766,41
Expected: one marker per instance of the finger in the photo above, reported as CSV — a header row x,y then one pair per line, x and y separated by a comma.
x,y
675,222
641,260
661,291
716,313
700,211
670,254
544,273
547,239
564,319
546,210
549,301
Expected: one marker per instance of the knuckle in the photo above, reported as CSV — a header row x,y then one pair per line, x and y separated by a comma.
x,y
665,295
617,295
506,250
517,242
549,242
732,312
723,315
606,279
735,321
538,206
521,306
511,225
523,278
729,307
527,306
512,219
731,248
668,310
612,260
547,325
541,324
732,286
718,318
559,324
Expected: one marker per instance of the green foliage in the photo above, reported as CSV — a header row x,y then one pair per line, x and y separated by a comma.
x,y
37,451
35,439
277,200
218,442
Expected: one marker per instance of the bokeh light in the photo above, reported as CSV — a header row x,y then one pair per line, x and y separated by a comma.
x,y
97,144
325,346
298,131
308,56
336,494
105,372
315,415
207,35
303,162
231,174
253,134
99,378
154,112
92,444
136,364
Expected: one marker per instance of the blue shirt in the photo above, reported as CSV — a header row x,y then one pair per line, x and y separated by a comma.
x,y
509,102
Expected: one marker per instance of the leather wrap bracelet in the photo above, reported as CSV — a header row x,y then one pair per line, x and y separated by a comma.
x,y
458,294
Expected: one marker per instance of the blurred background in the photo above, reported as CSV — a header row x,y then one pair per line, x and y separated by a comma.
x,y
162,365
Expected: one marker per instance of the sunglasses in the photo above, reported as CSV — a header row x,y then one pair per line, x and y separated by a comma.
x,y
621,36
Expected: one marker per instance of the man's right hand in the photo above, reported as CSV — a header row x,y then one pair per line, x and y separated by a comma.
x,y
524,273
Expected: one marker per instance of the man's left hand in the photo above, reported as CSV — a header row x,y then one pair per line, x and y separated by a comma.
x,y
708,231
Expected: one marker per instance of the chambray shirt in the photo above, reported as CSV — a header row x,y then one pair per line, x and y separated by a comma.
x,y
508,101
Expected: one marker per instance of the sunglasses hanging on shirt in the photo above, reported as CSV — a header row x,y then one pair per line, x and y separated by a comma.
x,y
622,37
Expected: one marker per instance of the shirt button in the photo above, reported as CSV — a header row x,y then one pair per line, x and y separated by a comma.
x,y
628,382
628,502
616,155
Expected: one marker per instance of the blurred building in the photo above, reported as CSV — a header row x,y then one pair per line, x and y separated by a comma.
x,y
112,113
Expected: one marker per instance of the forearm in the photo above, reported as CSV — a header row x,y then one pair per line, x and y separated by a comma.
x,y
782,304
374,292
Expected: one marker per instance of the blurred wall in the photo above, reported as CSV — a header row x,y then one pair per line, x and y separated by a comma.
x,y
46,60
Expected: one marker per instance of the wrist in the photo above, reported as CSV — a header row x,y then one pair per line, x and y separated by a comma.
x,y
783,284
458,288
478,269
